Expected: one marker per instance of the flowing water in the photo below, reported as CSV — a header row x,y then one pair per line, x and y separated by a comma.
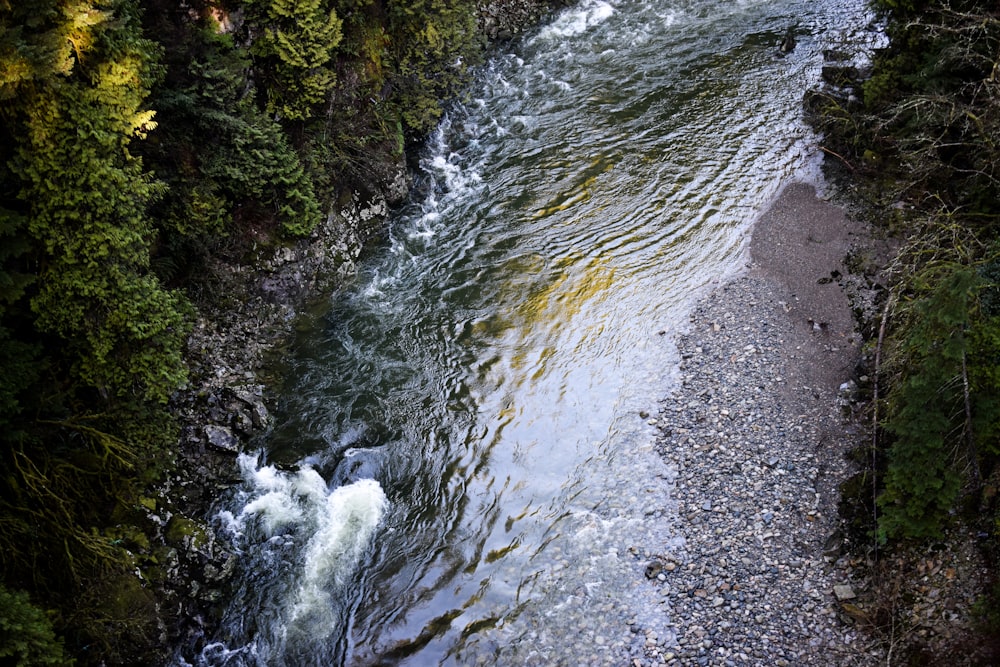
x,y
466,472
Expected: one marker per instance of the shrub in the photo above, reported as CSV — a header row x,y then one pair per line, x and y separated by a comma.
x,y
26,634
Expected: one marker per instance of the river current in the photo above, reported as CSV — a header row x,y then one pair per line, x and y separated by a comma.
x,y
464,469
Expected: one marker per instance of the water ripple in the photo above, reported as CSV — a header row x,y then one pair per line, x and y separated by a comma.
x,y
490,366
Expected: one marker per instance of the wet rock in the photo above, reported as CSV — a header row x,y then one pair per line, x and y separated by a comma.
x,y
848,390
788,42
502,19
243,423
253,401
250,308
222,439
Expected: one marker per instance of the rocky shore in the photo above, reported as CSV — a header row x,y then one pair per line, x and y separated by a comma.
x,y
245,312
757,429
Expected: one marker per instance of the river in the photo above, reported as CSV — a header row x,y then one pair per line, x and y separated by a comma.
x,y
464,468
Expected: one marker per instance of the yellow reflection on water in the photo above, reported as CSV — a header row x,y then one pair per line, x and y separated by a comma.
x,y
537,320
580,192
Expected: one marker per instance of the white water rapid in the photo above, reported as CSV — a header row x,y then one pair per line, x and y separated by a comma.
x,y
468,473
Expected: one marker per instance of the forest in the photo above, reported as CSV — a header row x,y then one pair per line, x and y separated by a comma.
x,y
141,140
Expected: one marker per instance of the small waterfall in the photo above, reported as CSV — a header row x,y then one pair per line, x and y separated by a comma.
x,y
294,523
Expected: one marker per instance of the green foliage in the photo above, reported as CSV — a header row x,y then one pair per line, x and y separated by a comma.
x,y
932,112
359,141
86,198
922,482
434,44
944,415
251,135
984,363
987,610
17,366
18,359
989,274
294,40
227,164
934,106
90,341
42,40
13,245
117,621
925,141
26,635
266,168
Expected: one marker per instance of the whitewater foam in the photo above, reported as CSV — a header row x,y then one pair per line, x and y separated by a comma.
x,y
346,523
337,527
578,20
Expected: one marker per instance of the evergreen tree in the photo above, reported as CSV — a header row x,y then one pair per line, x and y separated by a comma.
x,y
294,41
91,341
26,635
227,163
435,42
85,196
922,481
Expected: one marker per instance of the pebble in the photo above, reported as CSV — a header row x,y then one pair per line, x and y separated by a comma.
x,y
749,433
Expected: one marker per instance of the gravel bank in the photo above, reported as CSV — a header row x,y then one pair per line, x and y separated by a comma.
x,y
757,433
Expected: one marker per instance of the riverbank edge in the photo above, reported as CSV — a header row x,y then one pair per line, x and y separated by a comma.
x,y
771,407
226,405
758,428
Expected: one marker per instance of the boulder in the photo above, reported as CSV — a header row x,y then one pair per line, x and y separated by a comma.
x,y
222,439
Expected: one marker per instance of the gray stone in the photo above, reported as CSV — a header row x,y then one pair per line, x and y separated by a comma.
x,y
258,411
221,438
243,423
844,592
